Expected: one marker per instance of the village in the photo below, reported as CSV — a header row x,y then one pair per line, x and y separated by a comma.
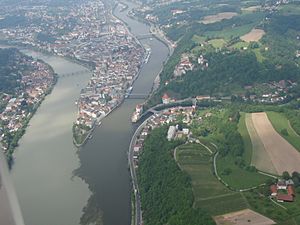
x,y
36,82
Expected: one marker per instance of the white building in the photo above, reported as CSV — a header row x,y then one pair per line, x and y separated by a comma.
x,y
171,133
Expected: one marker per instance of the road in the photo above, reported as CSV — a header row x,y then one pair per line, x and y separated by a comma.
x,y
138,210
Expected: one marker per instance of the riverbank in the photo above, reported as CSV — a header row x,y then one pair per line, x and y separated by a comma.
x,y
47,147
38,81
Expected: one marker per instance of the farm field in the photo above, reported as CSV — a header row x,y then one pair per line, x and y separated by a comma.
x,y
233,179
228,33
260,157
218,17
243,217
242,129
280,123
282,154
253,35
217,43
209,192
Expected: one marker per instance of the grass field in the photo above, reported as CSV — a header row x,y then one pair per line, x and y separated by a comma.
x,y
240,45
228,33
217,43
209,193
234,178
223,204
258,55
280,122
246,138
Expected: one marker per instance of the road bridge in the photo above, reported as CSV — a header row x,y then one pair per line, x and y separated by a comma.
x,y
137,95
75,73
144,36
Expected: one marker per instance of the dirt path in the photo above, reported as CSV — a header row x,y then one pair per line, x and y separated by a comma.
x,y
282,154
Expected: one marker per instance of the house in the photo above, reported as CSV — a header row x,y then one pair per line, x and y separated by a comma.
x,y
291,190
283,191
285,198
166,99
273,189
171,133
281,185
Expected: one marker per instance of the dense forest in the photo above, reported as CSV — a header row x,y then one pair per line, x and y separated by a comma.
x,y
227,72
166,191
9,73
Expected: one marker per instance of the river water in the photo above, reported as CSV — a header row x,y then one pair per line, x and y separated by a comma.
x,y
46,158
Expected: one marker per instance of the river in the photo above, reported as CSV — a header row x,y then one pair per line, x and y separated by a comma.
x,y
46,158
103,159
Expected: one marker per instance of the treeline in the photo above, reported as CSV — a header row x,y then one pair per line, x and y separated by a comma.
x,y
9,73
166,191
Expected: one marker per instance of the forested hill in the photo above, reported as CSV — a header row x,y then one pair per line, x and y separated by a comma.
x,y
230,72
9,71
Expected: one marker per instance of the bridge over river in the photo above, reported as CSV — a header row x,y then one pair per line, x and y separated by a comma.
x,y
76,73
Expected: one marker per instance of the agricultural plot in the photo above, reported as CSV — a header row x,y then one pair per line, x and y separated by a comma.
x,y
260,157
218,17
209,193
283,155
253,35
217,43
243,217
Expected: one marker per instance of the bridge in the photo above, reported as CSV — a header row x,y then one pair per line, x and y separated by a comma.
x,y
144,36
136,96
76,73
157,108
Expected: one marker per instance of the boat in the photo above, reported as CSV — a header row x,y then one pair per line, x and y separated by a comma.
x,y
148,54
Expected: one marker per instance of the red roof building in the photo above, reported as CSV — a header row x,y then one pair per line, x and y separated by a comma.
x,y
165,99
291,190
285,198
273,189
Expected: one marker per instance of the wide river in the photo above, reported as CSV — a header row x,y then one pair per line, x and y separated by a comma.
x,y
48,192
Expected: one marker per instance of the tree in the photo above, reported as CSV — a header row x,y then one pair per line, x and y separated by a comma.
x,y
286,175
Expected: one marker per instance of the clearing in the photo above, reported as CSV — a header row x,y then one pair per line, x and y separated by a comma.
x,y
282,154
253,35
218,17
243,217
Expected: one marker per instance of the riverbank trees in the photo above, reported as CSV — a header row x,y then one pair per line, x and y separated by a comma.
x,y
166,191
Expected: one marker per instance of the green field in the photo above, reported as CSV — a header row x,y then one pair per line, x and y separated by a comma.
x,y
234,178
228,33
217,43
223,204
240,44
280,122
209,193
246,139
